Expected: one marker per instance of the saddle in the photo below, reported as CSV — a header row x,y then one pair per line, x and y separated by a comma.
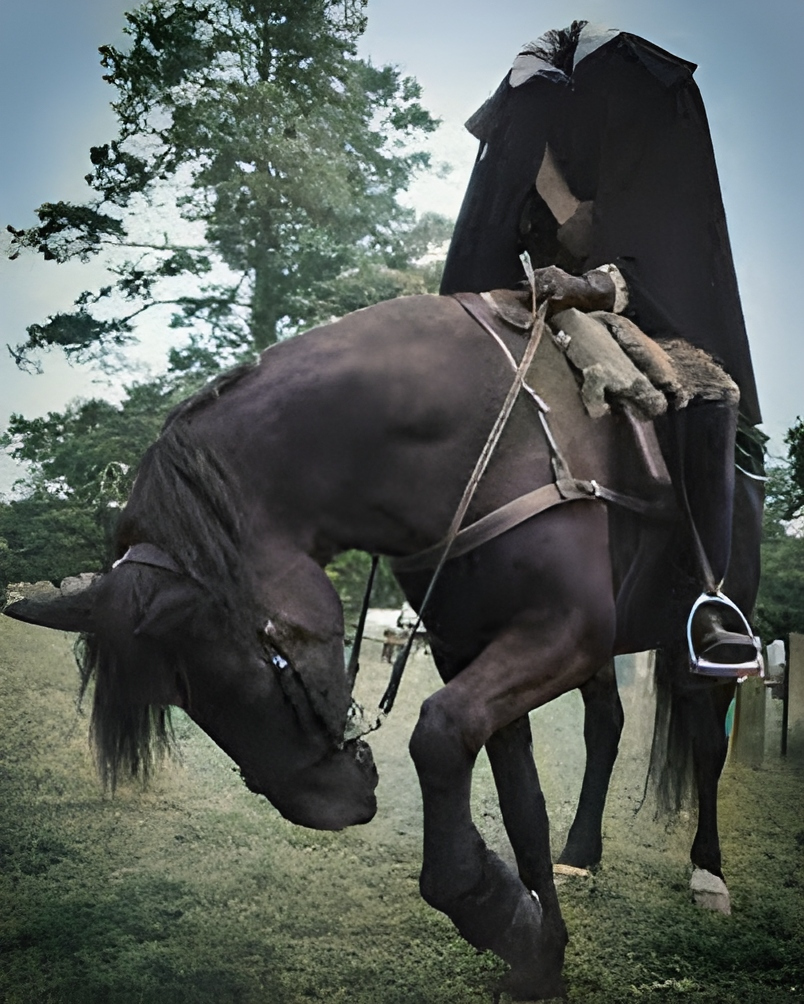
x,y
605,382
617,363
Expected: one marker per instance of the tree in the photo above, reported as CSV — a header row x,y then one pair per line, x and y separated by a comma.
x,y
81,465
780,603
794,438
256,156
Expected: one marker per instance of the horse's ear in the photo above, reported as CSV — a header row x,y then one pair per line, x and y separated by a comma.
x,y
173,606
70,611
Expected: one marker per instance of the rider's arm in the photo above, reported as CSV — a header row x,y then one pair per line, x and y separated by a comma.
x,y
602,288
620,285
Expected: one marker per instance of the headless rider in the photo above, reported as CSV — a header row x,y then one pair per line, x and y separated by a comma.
x,y
595,157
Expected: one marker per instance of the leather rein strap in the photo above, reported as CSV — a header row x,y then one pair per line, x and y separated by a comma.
x,y
534,339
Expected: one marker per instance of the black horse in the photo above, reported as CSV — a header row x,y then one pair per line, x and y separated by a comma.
x,y
363,434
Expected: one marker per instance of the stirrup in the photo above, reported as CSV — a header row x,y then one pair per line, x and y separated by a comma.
x,y
736,631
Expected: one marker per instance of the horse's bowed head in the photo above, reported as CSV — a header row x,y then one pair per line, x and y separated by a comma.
x,y
152,638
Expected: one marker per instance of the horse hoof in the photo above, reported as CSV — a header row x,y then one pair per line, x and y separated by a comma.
x,y
582,854
709,891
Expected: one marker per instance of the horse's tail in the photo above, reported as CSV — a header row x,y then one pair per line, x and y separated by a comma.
x,y
689,735
670,773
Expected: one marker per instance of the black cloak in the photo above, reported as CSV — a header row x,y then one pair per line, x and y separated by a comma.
x,y
626,126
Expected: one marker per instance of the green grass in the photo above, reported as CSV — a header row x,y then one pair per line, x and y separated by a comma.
x,y
197,891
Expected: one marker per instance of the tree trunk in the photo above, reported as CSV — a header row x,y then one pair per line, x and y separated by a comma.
x,y
264,313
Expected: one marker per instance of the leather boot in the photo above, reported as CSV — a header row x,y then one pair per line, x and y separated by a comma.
x,y
720,639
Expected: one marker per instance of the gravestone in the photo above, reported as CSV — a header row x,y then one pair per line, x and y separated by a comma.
x,y
795,698
748,738
775,676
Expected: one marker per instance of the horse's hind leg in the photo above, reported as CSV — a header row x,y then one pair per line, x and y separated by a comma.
x,y
709,748
602,727
510,752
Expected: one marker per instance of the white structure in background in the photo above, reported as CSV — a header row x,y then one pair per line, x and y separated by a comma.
x,y
776,660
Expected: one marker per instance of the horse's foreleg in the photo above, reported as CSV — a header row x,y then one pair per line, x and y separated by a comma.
x,y
551,620
489,904
510,752
602,727
460,876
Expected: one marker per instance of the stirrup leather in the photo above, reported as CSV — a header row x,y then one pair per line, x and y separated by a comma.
x,y
736,631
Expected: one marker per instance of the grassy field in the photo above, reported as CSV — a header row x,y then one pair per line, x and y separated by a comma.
x,y
197,891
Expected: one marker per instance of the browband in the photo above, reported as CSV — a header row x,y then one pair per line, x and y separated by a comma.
x,y
149,554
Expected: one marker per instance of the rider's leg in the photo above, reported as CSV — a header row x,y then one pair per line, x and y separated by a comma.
x,y
709,429
705,435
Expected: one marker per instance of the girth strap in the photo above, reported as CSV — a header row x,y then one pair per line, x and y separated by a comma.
x,y
490,526
523,508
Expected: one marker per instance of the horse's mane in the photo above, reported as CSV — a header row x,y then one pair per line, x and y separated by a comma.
x,y
185,501
131,732
209,392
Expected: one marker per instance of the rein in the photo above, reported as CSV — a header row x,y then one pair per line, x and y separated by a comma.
x,y
354,657
445,547
566,488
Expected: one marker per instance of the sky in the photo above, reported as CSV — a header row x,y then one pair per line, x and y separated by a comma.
x,y
54,106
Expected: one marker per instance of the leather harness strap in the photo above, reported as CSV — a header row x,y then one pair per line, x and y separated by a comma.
x,y
478,309
490,526
565,489
523,508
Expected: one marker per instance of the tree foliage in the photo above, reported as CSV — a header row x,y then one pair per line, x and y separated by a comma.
x,y
794,439
252,187
81,466
258,157
780,603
